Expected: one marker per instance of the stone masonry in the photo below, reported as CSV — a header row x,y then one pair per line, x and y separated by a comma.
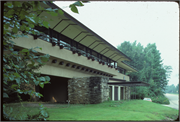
x,y
127,93
86,90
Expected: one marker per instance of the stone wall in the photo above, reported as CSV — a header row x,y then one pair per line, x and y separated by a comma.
x,y
78,90
86,90
127,93
105,89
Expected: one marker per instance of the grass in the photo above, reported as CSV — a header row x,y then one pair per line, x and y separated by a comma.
x,y
112,110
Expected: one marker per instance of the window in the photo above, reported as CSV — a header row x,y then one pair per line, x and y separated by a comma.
x,y
108,61
104,59
66,42
69,43
45,35
121,70
73,44
82,48
95,55
88,52
54,36
115,66
124,71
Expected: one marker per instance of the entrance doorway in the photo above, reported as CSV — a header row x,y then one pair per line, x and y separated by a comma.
x,y
110,92
56,91
116,93
122,92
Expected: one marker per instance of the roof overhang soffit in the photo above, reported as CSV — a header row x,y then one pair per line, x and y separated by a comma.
x,y
70,27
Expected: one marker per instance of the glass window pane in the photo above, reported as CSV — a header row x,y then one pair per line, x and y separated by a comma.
x,y
54,36
95,55
66,45
73,44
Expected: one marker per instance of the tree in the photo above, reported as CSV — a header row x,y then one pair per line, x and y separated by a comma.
x,y
172,89
148,62
20,68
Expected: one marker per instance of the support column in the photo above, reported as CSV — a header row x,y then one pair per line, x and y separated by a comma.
x,y
135,92
112,93
124,93
130,93
119,92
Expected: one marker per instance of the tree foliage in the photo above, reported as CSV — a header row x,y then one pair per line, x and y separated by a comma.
x,y
172,89
20,67
147,60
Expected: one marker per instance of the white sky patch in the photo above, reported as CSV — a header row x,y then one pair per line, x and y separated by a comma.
x,y
146,22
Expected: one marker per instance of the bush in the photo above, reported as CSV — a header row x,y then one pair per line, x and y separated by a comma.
x,y
160,100
12,114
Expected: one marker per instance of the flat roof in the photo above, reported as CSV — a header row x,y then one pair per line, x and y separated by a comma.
x,y
115,79
130,84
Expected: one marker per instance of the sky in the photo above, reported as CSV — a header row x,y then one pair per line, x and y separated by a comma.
x,y
145,22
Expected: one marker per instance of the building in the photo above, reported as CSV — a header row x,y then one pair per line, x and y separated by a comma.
x,y
83,67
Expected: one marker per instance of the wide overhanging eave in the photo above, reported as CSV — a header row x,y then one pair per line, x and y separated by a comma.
x,y
52,5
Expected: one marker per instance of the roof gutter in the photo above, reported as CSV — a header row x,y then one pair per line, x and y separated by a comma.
x,y
84,27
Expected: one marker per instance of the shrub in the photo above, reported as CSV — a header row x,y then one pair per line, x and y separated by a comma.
x,y
160,100
42,115
11,114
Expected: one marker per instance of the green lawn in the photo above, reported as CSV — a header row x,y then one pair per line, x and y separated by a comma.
x,y
126,110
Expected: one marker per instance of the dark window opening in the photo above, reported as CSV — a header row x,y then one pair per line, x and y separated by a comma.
x,y
121,70
104,59
82,49
95,55
53,36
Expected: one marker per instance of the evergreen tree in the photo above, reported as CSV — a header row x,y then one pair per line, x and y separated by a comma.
x,y
172,89
148,62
